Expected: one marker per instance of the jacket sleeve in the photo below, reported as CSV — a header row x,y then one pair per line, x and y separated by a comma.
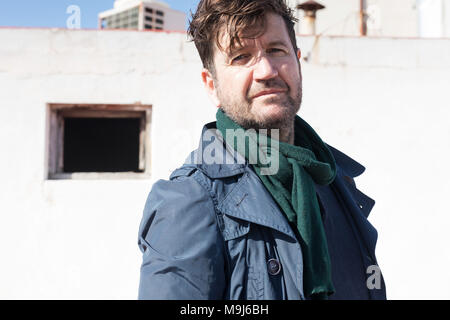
x,y
181,244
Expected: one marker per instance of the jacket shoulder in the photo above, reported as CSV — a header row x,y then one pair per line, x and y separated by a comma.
x,y
180,241
174,204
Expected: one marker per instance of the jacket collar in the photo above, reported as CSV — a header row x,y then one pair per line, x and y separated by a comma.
x,y
244,201
214,156
347,164
218,160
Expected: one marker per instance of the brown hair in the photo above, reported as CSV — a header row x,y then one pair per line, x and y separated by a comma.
x,y
238,16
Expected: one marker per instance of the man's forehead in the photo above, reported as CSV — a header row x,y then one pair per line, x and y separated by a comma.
x,y
271,34
243,39
247,42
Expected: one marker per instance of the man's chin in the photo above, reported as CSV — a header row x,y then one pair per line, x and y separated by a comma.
x,y
274,116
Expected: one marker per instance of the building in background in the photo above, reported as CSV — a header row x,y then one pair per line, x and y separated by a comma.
x,y
142,15
434,18
382,18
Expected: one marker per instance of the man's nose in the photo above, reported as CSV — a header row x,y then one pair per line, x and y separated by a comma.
x,y
265,69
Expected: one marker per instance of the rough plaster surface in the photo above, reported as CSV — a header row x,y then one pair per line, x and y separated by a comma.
x,y
381,101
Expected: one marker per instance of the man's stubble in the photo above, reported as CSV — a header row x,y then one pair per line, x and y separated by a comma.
x,y
241,112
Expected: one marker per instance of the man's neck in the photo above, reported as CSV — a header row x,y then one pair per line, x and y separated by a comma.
x,y
287,134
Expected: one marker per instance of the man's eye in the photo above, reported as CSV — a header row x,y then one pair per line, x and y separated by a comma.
x,y
241,58
275,50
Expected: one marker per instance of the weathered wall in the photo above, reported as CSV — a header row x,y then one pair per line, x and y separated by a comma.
x,y
385,102
382,101
75,239
385,18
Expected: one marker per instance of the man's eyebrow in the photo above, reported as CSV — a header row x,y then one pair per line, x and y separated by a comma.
x,y
236,49
277,43
273,43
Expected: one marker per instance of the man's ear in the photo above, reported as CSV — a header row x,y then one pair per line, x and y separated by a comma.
x,y
210,86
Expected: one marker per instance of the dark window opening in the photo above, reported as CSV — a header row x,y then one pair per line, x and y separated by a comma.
x,y
147,26
149,10
147,18
101,145
91,141
159,21
159,13
158,28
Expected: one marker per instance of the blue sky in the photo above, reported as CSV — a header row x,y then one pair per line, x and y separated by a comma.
x,y
52,13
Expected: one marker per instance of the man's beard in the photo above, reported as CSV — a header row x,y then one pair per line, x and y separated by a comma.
x,y
241,113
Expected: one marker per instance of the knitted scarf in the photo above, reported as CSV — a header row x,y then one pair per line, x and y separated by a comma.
x,y
292,187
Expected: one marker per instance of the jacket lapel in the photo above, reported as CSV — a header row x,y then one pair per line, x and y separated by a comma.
x,y
250,201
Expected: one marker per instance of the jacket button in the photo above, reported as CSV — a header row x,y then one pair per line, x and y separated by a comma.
x,y
274,267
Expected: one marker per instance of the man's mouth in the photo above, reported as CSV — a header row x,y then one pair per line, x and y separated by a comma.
x,y
269,92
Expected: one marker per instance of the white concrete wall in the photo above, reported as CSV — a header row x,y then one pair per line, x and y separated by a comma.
x,y
382,101
389,18
386,18
385,103
434,18
78,239
338,18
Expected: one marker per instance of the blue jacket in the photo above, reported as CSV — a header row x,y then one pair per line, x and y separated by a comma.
x,y
214,232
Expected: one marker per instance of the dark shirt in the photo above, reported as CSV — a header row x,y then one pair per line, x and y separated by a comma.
x,y
348,271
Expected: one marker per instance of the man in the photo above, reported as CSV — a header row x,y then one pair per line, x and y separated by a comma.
x,y
274,216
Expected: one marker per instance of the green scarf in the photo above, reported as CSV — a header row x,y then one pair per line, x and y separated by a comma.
x,y
292,187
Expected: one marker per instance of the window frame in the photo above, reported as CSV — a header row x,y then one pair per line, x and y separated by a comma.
x,y
57,112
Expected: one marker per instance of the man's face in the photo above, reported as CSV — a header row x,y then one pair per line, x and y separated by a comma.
x,y
259,85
